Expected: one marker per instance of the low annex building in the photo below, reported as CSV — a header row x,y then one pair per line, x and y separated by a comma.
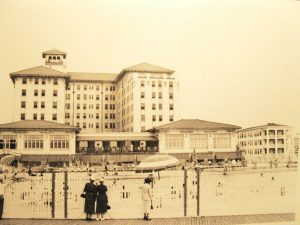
x,y
197,136
38,140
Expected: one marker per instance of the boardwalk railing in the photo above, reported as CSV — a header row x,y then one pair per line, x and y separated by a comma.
x,y
176,193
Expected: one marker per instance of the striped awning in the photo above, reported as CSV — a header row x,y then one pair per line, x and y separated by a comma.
x,y
58,158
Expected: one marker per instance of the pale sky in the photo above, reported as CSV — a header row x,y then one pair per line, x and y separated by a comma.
x,y
237,62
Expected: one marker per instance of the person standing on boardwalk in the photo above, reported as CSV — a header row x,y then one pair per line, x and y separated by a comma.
x,y
90,191
102,200
2,190
146,197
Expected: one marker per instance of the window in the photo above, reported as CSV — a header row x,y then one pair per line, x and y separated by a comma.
x,y
78,115
54,93
159,83
54,116
112,97
84,97
171,107
54,105
67,115
142,94
35,105
112,116
68,106
97,125
85,87
78,87
84,106
84,116
78,96
171,118
106,106
106,97
174,141
142,83
36,80
160,106
42,105
112,88
153,106
78,106
24,80
35,116
97,97
160,95
142,118
142,106
43,93
153,83
33,142
170,84
171,95
106,125
222,140
43,81
23,104
84,125
23,92
153,94
68,96
59,141
97,115
97,87
106,116
55,81
112,106
22,116
153,118
77,124
36,92
97,106
112,125
42,116
91,116
198,141
160,118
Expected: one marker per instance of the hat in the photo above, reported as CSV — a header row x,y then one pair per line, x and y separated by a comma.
x,y
92,178
101,179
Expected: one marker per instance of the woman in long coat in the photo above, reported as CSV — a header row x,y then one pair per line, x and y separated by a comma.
x,y
102,200
90,191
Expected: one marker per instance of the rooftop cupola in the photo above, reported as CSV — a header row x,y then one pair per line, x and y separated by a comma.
x,y
55,58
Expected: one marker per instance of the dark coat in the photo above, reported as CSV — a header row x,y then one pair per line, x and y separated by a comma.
x,y
91,192
101,199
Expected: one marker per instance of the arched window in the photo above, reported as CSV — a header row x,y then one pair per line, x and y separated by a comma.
x,y
54,57
50,57
58,58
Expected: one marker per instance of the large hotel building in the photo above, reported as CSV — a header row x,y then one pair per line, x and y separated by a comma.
x,y
140,97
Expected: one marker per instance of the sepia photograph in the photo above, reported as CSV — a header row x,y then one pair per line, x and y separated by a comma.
x,y
150,112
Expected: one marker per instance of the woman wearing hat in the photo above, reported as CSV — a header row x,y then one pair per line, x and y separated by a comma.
x,y
102,200
146,197
90,191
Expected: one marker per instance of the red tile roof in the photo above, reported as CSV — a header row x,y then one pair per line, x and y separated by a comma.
x,y
39,71
197,124
36,125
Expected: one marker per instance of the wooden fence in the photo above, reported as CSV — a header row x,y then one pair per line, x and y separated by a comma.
x,y
176,193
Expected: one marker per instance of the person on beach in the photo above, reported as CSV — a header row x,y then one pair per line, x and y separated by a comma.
x,y
90,191
146,197
102,200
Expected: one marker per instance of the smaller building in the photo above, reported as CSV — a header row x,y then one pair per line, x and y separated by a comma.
x,y
205,139
38,140
267,142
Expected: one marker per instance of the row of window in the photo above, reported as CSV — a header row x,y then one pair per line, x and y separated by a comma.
x,y
197,141
42,93
91,87
160,106
91,116
35,105
91,106
157,117
37,80
35,116
154,83
260,133
97,125
143,95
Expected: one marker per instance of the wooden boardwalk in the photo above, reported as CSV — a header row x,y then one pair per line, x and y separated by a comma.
x,y
208,220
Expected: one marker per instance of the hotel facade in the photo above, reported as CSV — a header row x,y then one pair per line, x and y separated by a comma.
x,y
138,98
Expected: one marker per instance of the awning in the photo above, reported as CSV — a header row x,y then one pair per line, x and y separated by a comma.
x,y
33,158
202,156
120,158
116,138
58,158
180,156
83,144
229,155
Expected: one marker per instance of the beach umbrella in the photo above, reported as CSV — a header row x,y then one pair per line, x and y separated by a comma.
x,y
157,162
7,160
